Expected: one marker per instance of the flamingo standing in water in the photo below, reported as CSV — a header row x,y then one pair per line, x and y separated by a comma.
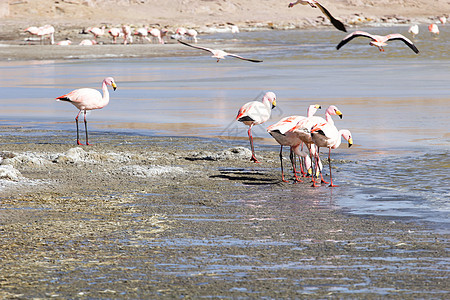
x,y
192,34
220,54
127,37
315,4
303,131
280,132
158,34
96,32
414,30
114,33
378,40
443,20
255,113
434,29
327,135
88,99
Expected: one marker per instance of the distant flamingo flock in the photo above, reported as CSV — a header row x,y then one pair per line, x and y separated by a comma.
x,y
304,135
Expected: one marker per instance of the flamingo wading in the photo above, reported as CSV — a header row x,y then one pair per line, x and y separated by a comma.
x,y
88,99
255,113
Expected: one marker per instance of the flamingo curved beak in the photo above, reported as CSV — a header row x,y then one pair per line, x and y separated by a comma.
x,y
350,142
274,104
318,106
114,86
338,112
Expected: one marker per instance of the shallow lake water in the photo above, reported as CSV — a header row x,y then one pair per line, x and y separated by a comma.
x,y
395,103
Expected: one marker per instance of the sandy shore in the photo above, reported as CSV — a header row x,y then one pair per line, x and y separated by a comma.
x,y
154,217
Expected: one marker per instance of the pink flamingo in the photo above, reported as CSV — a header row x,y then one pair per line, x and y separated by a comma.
x,y
88,42
114,33
434,29
142,33
88,99
303,131
443,20
314,4
158,34
127,37
192,34
219,54
255,113
327,135
414,30
47,30
96,32
64,43
378,40
280,132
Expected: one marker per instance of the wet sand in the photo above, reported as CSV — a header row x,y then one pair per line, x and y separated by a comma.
x,y
155,217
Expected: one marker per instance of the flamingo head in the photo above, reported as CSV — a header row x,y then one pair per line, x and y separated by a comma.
x,y
333,110
110,81
271,97
346,134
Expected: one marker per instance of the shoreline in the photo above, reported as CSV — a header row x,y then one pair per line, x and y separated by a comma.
x,y
130,208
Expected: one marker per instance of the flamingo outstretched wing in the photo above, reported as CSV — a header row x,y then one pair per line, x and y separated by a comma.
x,y
243,58
336,23
353,35
197,47
397,36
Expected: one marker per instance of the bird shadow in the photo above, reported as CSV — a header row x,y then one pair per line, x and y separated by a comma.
x,y
248,177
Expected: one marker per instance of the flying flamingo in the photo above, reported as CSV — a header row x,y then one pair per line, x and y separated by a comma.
x,y
314,4
378,40
434,29
280,132
219,54
88,99
114,33
327,135
414,30
255,113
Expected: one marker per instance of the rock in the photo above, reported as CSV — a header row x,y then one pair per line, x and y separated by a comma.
x,y
8,172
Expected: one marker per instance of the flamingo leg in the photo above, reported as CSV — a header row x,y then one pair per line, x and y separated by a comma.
x,y
281,160
292,157
78,134
85,127
316,165
251,144
329,162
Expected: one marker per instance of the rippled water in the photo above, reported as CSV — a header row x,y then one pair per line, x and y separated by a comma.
x,y
396,104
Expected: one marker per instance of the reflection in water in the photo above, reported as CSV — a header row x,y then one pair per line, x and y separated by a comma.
x,y
395,103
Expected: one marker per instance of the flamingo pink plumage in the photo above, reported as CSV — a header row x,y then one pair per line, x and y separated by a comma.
x,y
114,33
158,34
127,36
434,29
378,40
280,132
255,113
96,32
88,99
327,135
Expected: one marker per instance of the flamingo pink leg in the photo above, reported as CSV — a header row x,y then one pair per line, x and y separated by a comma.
x,y
315,168
85,127
291,156
251,144
329,162
281,160
78,134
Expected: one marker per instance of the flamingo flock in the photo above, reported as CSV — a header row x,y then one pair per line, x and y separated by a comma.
x,y
304,135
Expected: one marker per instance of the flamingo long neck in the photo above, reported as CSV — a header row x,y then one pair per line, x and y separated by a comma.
x,y
267,103
329,118
105,98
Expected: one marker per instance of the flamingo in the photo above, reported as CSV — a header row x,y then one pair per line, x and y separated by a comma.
x,y
192,34
142,33
158,34
255,113
327,135
314,4
114,33
87,43
234,29
96,32
88,99
47,30
414,30
278,132
378,40
64,43
127,37
443,20
219,54
434,29
303,131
